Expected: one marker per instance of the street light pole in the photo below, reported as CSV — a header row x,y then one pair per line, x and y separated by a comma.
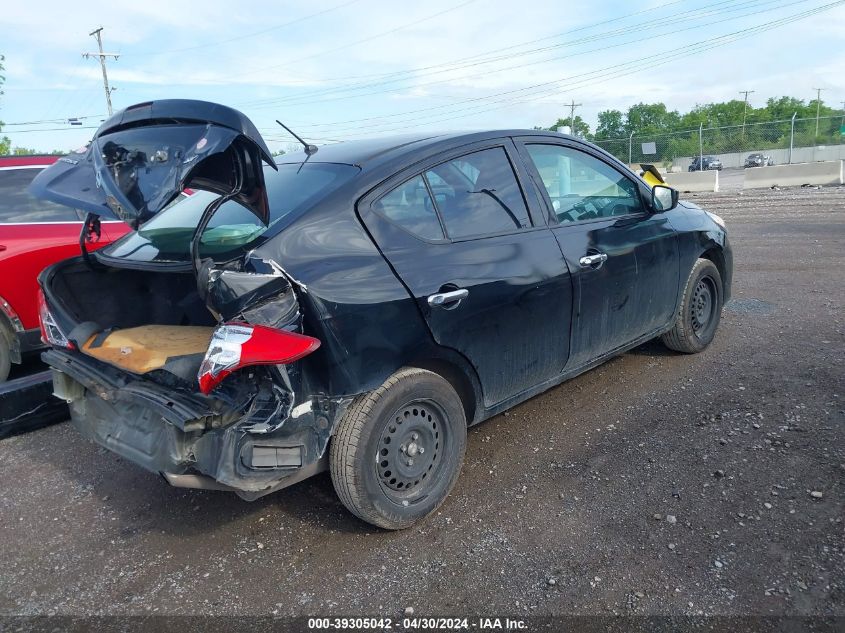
x,y
630,145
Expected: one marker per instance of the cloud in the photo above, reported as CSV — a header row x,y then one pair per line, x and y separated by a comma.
x,y
366,59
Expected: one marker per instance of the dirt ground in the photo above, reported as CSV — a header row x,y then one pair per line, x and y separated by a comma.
x,y
655,484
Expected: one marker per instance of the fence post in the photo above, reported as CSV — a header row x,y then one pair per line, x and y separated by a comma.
x,y
792,137
630,142
700,147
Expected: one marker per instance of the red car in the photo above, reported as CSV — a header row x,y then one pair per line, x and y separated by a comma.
x,y
33,235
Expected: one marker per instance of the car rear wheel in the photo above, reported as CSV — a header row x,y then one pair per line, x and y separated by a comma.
x,y
700,311
399,449
5,352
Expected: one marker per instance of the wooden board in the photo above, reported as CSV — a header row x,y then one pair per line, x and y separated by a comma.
x,y
145,348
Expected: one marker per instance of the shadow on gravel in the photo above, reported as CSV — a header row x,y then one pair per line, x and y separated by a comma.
x,y
652,348
145,504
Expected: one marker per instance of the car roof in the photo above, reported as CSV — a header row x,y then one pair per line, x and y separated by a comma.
x,y
367,152
29,160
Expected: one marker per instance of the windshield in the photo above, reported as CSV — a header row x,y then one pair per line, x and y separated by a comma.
x,y
167,236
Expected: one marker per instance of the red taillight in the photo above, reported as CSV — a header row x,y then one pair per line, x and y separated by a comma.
x,y
235,345
51,333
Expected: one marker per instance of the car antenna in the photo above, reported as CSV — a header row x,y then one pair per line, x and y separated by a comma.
x,y
309,149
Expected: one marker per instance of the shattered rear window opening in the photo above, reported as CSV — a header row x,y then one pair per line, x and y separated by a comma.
x,y
167,236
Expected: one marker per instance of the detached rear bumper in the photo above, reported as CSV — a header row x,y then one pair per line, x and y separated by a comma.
x,y
192,441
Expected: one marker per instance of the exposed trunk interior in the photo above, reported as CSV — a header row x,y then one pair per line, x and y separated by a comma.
x,y
148,347
145,320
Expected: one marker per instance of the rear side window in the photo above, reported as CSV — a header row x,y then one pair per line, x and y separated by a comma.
x,y
478,194
18,207
410,206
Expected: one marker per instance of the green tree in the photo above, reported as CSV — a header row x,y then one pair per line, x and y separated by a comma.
x,y
651,119
611,124
580,127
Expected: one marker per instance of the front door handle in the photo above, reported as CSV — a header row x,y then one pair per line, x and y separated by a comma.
x,y
446,299
592,260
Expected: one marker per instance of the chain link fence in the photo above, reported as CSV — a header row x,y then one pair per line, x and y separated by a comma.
x,y
786,141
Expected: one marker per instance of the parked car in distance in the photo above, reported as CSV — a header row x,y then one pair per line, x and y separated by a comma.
x,y
758,160
354,308
33,234
708,162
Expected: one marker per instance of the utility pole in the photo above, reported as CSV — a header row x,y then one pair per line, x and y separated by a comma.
x,y
745,108
102,57
842,125
818,107
572,107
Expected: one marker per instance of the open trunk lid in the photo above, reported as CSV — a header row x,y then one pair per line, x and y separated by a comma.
x,y
143,157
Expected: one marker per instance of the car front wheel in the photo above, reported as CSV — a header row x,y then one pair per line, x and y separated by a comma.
x,y
700,311
398,450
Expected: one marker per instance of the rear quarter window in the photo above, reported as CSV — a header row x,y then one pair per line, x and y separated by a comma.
x,y
410,206
17,206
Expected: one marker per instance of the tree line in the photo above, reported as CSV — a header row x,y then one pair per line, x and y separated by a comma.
x,y
728,127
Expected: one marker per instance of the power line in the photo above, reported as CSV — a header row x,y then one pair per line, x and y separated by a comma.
x,y
62,120
498,50
618,70
298,99
587,74
361,41
454,65
56,129
217,43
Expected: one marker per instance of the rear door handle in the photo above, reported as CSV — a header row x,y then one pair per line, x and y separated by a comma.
x,y
592,260
445,299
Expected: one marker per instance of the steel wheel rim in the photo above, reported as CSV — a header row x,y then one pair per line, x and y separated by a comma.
x,y
702,305
410,451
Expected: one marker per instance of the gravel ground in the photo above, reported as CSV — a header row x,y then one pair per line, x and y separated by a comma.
x,y
655,484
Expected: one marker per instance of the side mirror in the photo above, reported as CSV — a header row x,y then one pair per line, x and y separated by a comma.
x,y
663,198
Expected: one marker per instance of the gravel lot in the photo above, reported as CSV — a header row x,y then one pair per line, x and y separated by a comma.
x,y
655,484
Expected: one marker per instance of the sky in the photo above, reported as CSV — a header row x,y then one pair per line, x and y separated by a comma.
x,y
347,69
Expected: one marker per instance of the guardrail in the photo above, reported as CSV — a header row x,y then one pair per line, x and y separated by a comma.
x,y
795,175
694,181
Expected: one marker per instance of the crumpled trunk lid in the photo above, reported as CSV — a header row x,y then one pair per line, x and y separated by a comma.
x,y
143,157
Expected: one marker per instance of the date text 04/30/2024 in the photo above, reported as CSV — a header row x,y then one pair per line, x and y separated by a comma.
x,y
415,623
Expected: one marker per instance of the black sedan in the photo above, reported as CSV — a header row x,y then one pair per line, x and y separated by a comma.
x,y
355,307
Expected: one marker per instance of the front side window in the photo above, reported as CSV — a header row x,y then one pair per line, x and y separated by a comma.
x,y
478,194
17,206
410,206
582,187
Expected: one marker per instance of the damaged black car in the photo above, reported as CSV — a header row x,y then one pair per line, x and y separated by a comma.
x,y
353,308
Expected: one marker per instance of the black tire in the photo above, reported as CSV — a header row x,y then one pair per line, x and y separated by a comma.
x,y
5,352
700,311
414,409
